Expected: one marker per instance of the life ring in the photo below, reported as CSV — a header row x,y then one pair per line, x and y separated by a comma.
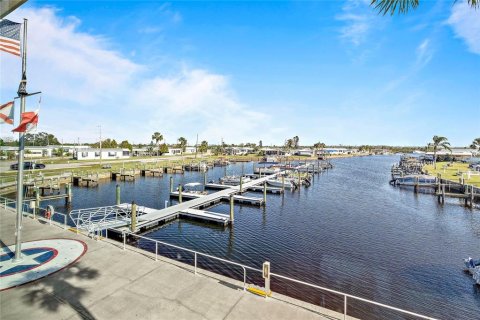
x,y
48,213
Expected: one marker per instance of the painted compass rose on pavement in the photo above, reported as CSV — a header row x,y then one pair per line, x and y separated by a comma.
x,y
39,259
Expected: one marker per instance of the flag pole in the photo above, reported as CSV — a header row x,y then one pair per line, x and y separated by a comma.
x,y
22,93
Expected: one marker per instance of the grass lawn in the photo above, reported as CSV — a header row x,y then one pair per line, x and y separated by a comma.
x,y
453,171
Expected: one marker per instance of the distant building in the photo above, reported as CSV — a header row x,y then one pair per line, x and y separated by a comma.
x,y
333,151
303,152
239,150
174,151
140,152
274,152
454,153
107,154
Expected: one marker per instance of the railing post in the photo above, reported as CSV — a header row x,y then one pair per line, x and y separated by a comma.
x,y
65,222
156,251
180,193
195,263
345,308
244,279
124,240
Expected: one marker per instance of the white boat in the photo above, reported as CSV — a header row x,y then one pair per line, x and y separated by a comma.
x,y
476,275
266,170
287,183
233,180
191,190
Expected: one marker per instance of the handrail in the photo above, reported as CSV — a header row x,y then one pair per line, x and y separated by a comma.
x,y
245,267
352,296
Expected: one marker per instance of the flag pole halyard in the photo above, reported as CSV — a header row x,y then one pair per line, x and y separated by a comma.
x,y
22,93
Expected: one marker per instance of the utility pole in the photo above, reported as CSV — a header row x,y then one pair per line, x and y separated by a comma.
x,y
100,128
196,147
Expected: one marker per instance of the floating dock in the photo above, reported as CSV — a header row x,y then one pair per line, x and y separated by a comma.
x,y
96,219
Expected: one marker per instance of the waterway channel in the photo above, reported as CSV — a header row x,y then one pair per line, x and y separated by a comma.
x,y
350,231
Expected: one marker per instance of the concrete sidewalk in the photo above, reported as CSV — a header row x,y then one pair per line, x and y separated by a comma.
x,y
108,282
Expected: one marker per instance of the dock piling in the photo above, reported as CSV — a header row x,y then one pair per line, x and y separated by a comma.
x,y
283,183
133,216
117,194
37,201
241,184
231,209
69,192
180,193
265,193
171,184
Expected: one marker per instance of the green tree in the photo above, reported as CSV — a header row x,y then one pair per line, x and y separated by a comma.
x,y
402,6
476,144
182,143
157,137
126,145
203,146
163,148
437,143
40,139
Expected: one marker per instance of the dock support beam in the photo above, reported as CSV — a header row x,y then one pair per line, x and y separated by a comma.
x,y
180,193
283,183
231,209
171,184
241,184
117,195
265,193
204,179
133,216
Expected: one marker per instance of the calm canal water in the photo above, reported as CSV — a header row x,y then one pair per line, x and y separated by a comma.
x,y
350,231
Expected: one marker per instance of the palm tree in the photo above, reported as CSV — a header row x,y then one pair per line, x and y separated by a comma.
x,y
295,141
157,137
476,144
438,142
385,6
288,144
182,143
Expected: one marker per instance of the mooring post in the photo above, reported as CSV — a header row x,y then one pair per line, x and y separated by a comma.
x,y
70,193
471,197
299,181
283,183
231,209
265,193
415,188
117,195
443,194
241,184
180,193
204,179
225,171
133,216
171,184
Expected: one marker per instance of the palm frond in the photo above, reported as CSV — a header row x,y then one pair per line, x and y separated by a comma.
x,y
386,6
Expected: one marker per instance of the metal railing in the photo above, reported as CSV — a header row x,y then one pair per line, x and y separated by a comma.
x,y
195,254
37,213
92,219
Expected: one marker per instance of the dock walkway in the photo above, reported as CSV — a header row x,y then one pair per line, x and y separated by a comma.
x,y
200,202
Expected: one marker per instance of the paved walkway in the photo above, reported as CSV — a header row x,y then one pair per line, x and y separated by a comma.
x,y
108,282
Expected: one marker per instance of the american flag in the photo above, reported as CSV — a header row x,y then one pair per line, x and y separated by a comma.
x,y
10,37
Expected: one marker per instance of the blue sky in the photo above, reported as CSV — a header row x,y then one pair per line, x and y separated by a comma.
x,y
327,71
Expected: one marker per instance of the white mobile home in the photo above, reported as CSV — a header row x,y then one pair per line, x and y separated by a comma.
x,y
106,154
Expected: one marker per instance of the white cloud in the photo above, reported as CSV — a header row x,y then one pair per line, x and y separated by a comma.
x,y
359,20
465,22
424,53
86,83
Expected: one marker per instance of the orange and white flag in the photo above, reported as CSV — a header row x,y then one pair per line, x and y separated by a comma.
x,y
28,123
